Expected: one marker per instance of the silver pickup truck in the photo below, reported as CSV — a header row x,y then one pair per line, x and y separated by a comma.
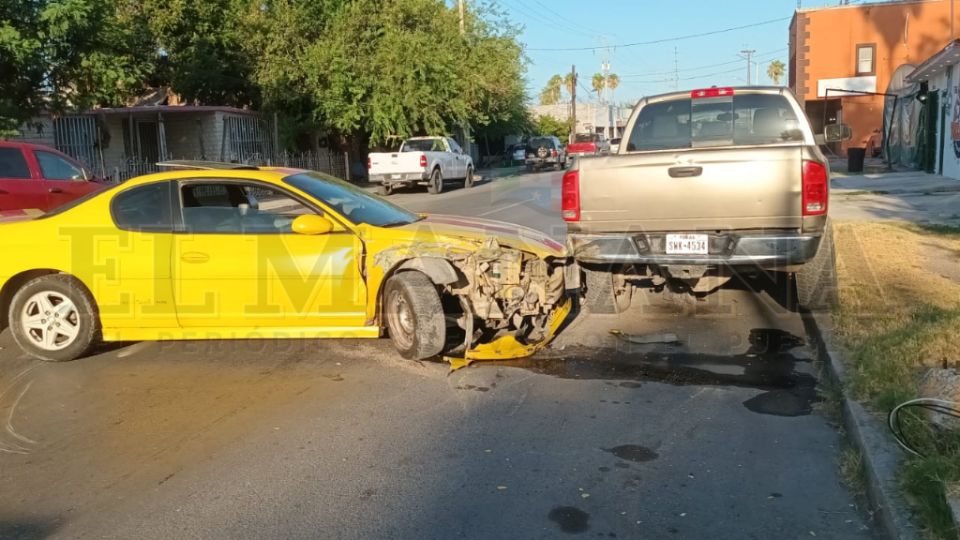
x,y
706,185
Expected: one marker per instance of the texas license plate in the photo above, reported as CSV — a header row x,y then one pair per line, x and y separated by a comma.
x,y
687,244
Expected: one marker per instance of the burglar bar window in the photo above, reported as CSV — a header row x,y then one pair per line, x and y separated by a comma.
x,y
865,57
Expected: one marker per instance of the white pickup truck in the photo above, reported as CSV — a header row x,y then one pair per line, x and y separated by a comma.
x,y
425,161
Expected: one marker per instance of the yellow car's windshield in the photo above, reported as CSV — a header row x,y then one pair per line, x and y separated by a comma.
x,y
350,201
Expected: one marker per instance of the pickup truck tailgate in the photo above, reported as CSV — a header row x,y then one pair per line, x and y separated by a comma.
x,y
693,190
395,162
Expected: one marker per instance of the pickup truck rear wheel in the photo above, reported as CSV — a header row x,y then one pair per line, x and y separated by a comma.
x,y
386,190
601,294
414,315
436,182
816,282
468,181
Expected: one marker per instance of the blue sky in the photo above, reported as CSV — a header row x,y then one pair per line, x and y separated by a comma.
x,y
648,69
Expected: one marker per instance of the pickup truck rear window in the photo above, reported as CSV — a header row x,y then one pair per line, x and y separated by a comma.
x,y
744,119
423,145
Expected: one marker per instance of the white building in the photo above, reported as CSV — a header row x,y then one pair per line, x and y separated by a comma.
x,y
591,118
942,75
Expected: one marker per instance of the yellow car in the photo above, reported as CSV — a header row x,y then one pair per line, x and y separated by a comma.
x,y
221,251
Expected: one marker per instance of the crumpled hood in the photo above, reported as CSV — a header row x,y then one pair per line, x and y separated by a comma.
x,y
477,229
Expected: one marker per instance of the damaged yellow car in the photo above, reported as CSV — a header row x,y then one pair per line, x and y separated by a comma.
x,y
220,251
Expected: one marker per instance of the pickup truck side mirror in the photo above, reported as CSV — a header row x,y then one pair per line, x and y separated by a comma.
x,y
837,133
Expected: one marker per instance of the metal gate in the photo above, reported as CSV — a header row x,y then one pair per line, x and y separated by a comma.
x,y
246,139
76,136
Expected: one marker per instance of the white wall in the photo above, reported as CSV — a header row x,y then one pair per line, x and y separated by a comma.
x,y
948,148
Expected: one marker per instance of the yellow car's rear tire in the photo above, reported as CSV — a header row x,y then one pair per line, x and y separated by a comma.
x,y
414,315
54,318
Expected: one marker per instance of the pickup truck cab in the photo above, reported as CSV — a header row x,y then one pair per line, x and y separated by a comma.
x,y
705,185
38,177
588,144
428,161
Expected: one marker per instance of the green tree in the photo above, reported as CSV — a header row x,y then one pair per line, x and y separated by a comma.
x,y
598,82
203,57
378,71
569,83
613,81
551,93
775,71
66,55
550,125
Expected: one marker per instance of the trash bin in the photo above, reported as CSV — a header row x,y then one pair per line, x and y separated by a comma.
x,y
855,159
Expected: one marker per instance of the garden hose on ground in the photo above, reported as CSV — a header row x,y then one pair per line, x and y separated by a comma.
x,y
941,406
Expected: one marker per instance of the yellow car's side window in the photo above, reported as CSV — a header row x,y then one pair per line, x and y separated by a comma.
x,y
238,208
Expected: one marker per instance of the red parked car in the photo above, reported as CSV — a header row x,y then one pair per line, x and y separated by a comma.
x,y
38,177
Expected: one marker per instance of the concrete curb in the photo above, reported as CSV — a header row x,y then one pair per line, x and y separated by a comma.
x,y
881,455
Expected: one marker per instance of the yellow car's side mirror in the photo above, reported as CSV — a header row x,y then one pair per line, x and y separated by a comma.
x,y
312,224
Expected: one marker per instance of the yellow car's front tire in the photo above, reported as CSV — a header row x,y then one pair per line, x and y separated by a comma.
x,y
414,315
54,318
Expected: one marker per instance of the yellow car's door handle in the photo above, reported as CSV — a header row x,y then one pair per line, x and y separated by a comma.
x,y
194,257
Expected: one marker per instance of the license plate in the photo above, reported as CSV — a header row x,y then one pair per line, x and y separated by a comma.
x,y
687,244
396,176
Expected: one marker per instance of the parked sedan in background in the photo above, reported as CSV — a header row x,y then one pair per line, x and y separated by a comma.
x,y
425,161
39,177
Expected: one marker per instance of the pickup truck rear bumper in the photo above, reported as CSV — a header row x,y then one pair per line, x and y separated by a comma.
x,y
399,178
724,249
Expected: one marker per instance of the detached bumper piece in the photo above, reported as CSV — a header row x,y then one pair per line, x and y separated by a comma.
x,y
508,347
728,249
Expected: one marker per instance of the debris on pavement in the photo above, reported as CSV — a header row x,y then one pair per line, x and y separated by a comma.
x,y
646,339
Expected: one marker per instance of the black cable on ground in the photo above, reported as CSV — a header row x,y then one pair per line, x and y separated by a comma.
x,y
941,406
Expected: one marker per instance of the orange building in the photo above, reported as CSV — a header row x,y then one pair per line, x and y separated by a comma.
x,y
867,48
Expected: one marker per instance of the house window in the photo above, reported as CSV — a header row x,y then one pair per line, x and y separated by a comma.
x,y
866,54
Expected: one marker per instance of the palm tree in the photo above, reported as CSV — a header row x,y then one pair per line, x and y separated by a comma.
x,y
551,92
613,81
599,82
775,71
569,83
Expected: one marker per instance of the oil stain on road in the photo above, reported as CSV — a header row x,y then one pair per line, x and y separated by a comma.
x,y
769,364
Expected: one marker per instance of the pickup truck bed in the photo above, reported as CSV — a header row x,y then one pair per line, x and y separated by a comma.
x,y
707,184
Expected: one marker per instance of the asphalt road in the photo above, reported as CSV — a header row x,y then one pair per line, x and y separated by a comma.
x,y
718,436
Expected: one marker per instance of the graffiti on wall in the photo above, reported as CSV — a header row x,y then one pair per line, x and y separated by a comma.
x,y
955,122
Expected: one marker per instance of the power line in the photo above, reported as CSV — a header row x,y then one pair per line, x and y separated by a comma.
x,y
698,68
531,15
665,40
669,79
564,20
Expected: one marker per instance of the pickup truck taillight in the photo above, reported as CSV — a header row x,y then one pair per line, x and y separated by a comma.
x,y
570,196
815,188
423,161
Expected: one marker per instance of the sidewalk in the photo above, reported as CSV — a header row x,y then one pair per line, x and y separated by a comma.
x,y
912,196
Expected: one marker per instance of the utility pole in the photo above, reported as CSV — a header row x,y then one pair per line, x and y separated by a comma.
x,y
676,67
573,102
466,126
747,54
